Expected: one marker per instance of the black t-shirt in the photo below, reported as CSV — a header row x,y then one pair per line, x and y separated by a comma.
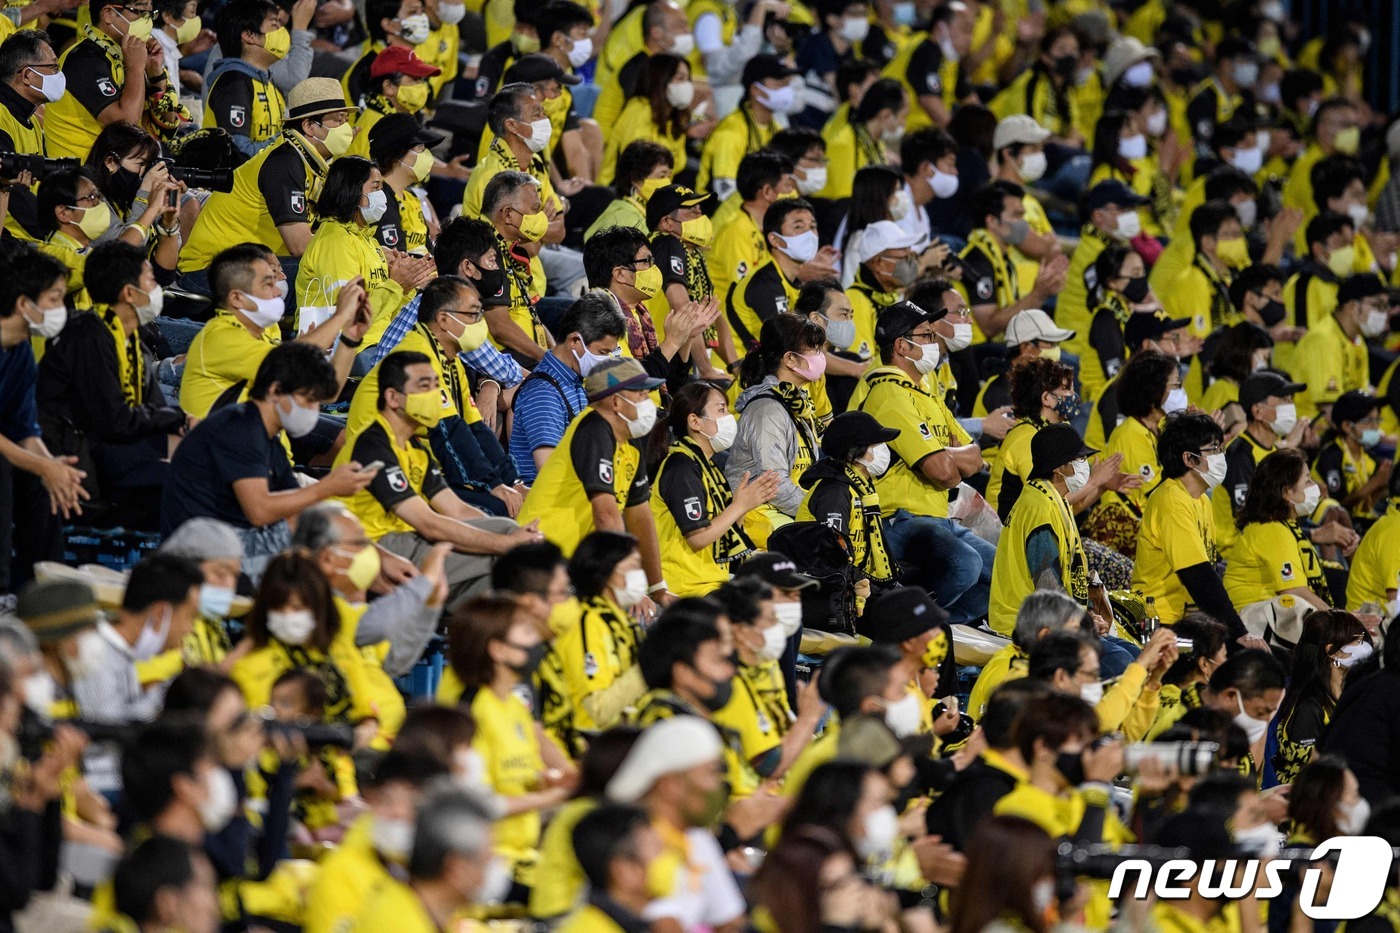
x,y
1239,470
230,445
358,78
89,77
683,491
998,393
764,293
282,181
980,277
493,65
830,504
1106,337
925,72
593,451
1202,111
1331,466
231,102
1106,408
391,485
681,265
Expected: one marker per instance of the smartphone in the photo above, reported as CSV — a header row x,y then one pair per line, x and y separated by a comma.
x,y
372,466
172,199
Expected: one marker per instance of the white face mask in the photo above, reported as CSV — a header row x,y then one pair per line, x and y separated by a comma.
x,y
1043,895
155,303
1157,122
1176,401
151,641
1359,214
1254,728
414,29
814,182
680,94
266,311
392,839
298,422
800,247
774,644
1079,478
905,716
452,13
495,883
854,28
726,429
92,652
682,45
902,204
1352,655
1031,167
469,770
1214,473
582,52
943,184
634,587
789,617
292,627
540,131
1260,841
1352,817
40,691
52,323
374,210
961,339
881,828
1285,418
1247,212
221,803
646,417
1375,323
590,361
1138,75
927,360
1129,224
1133,147
51,86
779,100
1091,693
879,460
1311,497
1249,161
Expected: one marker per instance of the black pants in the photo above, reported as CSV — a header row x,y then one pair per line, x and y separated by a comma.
x,y
29,532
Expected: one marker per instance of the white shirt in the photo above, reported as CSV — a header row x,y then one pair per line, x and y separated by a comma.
x,y
713,902
172,58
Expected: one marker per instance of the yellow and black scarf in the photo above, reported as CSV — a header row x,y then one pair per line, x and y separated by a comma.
x,y
131,364
733,545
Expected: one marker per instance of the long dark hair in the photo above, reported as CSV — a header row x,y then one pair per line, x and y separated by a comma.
x,y
788,883
1265,501
120,140
345,182
1006,856
294,573
1207,636
690,400
1312,803
781,335
829,797
1108,265
1311,678
661,69
871,191
1106,134
1234,353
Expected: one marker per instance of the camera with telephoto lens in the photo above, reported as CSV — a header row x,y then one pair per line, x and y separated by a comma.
x,y
316,734
213,179
13,163
1190,759
1100,860
35,733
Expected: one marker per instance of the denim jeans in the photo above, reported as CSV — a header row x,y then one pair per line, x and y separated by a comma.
x,y
953,563
1115,654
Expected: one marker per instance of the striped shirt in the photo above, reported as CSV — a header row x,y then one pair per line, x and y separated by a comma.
x,y
484,359
542,414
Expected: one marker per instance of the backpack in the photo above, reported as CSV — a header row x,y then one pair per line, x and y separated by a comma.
x,y
821,552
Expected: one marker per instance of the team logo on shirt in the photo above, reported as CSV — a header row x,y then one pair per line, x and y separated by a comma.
x,y
389,233
1147,472
1286,572
984,288
692,508
107,87
743,270
935,83
923,429
483,87
237,116
782,305
397,481
1112,367
677,265
299,202
1091,278
590,664
1334,481
1241,490
1205,129
605,470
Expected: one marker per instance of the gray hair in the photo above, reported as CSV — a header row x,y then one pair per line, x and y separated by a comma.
x,y
501,187
507,104
594,316
450,821
204,539
1044,609
316,528
16,640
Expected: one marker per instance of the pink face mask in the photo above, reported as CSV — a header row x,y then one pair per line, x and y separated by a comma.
x,y
814,366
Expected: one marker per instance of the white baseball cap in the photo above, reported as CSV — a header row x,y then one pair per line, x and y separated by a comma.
x,y
883,235
1034,324
1018,128
667,747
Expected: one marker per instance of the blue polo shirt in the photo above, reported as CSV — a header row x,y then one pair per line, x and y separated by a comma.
x,y
543,411
19,415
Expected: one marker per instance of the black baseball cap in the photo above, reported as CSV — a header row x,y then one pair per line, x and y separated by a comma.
x,y
766,66
776,570
898,320
899,614
1112,192
1149,325
399,132
1354,406
1261,385
538,66
1053,446
854,430
1362,286
670,199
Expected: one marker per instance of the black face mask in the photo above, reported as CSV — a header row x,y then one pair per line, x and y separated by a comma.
x,y
533,657
1064,66
492,284
1272,313
1071,765
1183,77
124,184
724,689
1136,289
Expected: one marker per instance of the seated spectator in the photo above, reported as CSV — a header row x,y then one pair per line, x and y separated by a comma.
x,y
643,168
1346,467
1042,613
167,882
1186,679
125,165
616,845
397,84
1249,686
513,204
215,546
661,115
1271,422
400,149
767,90
1069,663
740,245
1375,566
240,95
1332,358
877,122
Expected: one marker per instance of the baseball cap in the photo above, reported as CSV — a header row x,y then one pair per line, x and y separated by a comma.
x,y
883,235
1112,192
399,60
766,66
898,320
898,614
1034,324
1260,386
854,430
1018,128
538,67
667,747
776,570
670,199
1149,325
204,539
399,132
55,609
618,375
1052,447
1354,406
1358,287
314,97
1124,53
867,739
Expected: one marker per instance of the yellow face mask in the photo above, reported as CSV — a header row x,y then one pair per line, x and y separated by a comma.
x,y
937,650
278,42
525,45
421,166
534,226
650,186
699,231
412,97
337,141
364,568
95,220
1348,140
648,281
425,408
473,335
140,27
187,30
556,108
1234,253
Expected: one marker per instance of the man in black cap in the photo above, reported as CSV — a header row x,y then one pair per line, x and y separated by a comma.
x,y
907,619
1348,471
1333,357
680,234
1110,216
841,492
1271,421
1040,546
768,90
400,148
780,572
1156,331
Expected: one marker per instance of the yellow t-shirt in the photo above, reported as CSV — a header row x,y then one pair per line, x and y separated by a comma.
x,y
733,138
1375,567
1007,664
1177,531
223,353
349,875
1138,445
633,124
559,881
395,907
1329,363
1267,559
507,742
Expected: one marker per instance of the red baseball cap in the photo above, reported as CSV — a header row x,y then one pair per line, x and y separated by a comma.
x,y
399,60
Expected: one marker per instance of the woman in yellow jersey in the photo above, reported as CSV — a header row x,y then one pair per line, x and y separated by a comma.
x,y
494,647
642,168
1345,467
344,248
1121,287
699,518
777,423
1241,350
595,655
1122,153
1274,557
660,113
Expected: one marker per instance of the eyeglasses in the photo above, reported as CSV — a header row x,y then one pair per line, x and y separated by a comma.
x,y
1210,451
636,265
86,201
467,317
927,335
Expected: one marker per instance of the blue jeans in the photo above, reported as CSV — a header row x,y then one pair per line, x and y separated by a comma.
x,y
1115,654
953,563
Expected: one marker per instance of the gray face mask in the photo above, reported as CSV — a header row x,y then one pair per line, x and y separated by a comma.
x,y
1020,229
906,271
840,334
